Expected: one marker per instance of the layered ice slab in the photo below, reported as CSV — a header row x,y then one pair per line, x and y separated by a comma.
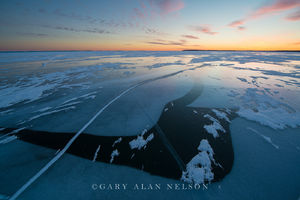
x,y
178,146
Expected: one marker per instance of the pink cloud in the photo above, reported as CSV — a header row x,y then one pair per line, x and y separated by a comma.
x,y
190,36
152,8
295,16
237,23
203,29
276,7
167,42
167,6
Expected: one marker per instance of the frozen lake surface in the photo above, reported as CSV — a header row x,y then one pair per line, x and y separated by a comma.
x,y
71,121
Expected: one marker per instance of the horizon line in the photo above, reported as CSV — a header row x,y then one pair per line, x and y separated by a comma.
x,y
15,51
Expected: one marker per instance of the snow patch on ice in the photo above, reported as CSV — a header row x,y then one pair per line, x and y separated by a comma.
x,y
96,153
212,128
204,146
18,94
113,155
140,142
117,141
65,106
221,115
29,89
198,170
258,106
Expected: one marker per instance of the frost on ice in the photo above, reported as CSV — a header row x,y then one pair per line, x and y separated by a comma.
x,y
198,170
140,142
117,141
16,94
113,155
221,115
65,106
258,106
212,128
96,153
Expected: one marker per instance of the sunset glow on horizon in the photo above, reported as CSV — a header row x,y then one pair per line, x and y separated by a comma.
x,y
158,25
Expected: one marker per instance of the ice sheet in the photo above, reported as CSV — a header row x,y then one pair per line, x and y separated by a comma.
x,y
62,91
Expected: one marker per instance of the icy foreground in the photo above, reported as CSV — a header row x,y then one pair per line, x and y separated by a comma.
x,y
61,91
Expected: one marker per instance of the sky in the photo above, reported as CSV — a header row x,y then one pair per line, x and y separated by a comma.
x,y
166,25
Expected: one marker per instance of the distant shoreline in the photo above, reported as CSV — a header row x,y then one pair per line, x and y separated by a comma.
x,y
246,50
21,51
